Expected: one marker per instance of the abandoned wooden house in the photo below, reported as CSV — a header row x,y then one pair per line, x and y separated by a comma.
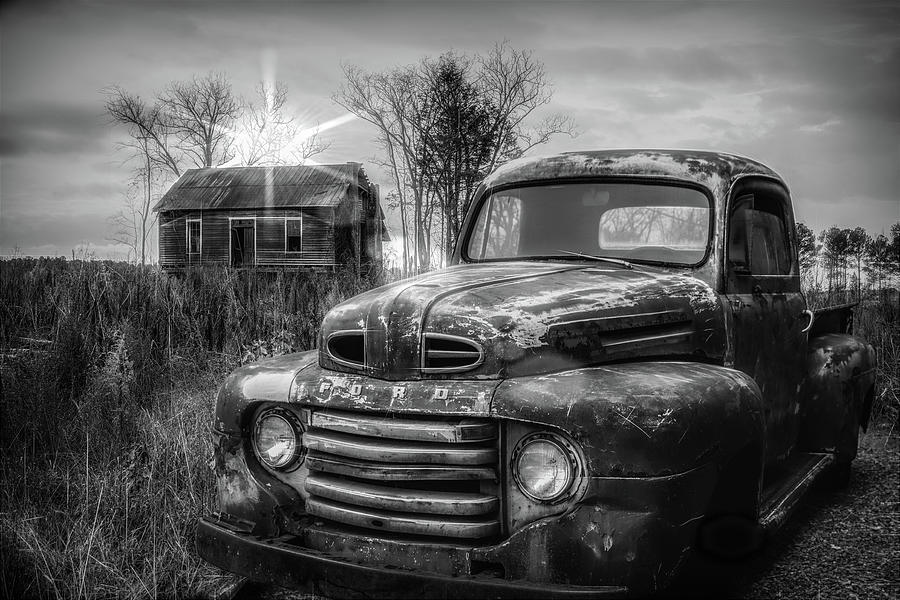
x,y
287,216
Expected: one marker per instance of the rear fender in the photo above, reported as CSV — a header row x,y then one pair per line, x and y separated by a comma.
x,y
840,379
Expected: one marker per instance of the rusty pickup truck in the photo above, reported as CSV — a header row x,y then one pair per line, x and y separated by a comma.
x,y
618,370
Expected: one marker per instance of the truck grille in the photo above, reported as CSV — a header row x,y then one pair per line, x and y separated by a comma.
x,y
347,348
409,476
449,354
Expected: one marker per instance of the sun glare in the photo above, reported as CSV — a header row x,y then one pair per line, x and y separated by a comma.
x,y
243,139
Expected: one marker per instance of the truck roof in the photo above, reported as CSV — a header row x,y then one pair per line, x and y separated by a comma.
x,y
709,169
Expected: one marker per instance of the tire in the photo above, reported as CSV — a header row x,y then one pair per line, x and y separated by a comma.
x,y
838,477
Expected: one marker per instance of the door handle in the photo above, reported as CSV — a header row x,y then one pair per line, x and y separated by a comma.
x,y
812,317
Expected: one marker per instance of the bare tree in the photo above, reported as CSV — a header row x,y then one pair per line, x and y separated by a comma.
x,y
443,125
190,124
125,224
200,114
307,144
147,126
268,135
857,241
516,84
393,102
133,225
808,251
835,250
264,131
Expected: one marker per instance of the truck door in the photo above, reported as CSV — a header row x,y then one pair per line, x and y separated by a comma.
x,y
763,290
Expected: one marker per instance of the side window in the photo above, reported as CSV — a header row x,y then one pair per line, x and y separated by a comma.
x,y
193,236
759,242
293,237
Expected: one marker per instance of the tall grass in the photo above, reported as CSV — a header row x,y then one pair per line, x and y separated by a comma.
x,y
876,319
104,431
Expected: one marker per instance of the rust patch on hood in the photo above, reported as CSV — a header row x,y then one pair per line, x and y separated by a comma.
x,y
532,318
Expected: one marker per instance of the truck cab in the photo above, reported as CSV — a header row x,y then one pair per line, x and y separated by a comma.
x,y
618,370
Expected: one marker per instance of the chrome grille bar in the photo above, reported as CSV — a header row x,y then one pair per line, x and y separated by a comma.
x,y
397,452
363,469
426,431
400,500
458,527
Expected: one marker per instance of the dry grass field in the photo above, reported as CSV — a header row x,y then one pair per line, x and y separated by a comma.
x,y
109,373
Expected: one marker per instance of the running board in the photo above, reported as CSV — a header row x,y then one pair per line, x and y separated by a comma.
x,y
781,497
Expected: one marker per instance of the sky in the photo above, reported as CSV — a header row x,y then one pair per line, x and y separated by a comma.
x,y
812,89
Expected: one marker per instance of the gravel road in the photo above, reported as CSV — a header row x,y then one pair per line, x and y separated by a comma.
x,y
841,545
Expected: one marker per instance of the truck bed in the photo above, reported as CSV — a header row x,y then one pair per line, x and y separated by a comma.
x,y
833,319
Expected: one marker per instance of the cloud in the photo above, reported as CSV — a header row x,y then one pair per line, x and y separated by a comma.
x,y
657,63
819,127
29,229
46,128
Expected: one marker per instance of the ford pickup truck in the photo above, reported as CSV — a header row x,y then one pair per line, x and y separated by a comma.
x,y
618,370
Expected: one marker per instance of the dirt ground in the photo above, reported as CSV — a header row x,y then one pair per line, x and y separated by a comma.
x,y
841,545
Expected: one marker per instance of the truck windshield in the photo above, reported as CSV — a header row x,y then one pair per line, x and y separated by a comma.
x,y
635,222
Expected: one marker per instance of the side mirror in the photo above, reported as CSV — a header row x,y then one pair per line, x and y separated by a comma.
x,y
811,316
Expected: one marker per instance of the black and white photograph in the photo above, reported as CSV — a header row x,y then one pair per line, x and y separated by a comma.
x,y
449,299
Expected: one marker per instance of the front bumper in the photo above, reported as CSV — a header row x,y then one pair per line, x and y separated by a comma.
x,y
626,536
280,562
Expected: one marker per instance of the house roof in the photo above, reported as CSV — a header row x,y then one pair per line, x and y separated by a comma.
x,y
260,187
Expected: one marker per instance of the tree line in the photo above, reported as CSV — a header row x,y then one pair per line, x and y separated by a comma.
x,y
844,261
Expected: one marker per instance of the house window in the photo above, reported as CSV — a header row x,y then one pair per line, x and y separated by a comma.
x,y
193,236
292,234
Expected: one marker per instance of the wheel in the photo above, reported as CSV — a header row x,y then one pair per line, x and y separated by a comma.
x,y
837,477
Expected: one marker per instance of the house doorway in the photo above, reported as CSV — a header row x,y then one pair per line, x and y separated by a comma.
x,y
243,242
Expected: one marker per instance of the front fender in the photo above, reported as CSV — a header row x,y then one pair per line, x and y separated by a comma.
x,y
645,419
268,380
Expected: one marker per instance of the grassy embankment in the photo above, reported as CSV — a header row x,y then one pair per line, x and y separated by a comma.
x,y
105,429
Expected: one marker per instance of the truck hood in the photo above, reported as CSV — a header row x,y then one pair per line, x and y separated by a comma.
x,y
511,319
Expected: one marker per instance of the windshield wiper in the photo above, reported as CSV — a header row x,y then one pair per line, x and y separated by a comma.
x,y
615,261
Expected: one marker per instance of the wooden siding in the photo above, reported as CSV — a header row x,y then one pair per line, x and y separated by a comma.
x,y
317,237
173,238
215,237
346,233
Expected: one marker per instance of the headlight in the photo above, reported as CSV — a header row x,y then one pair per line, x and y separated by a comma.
x,y
276,438
543,467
